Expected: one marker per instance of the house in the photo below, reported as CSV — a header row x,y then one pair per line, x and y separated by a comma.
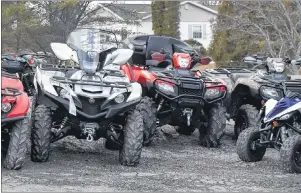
x,y
195,20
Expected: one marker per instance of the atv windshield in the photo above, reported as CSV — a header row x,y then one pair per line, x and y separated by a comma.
x,y
89,43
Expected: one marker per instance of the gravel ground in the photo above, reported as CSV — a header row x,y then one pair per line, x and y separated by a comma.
x,y
177,163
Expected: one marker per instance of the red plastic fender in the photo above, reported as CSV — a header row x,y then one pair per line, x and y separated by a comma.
x,y
21,107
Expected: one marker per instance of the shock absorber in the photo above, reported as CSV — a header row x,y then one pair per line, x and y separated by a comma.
x,y
160,105
64,122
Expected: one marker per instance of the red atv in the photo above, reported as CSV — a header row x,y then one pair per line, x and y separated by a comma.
x,y
184,98
15,120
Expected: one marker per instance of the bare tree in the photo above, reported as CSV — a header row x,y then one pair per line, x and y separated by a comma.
x,y
278,23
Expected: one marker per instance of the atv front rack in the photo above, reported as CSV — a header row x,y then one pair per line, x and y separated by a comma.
x,y
179,81
9,91
284,86
72,81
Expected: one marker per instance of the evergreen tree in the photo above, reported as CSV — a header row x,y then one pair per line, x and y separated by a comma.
x,y
166,18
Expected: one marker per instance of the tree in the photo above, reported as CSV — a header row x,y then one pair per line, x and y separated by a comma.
x,y
274,28
42,22
166,18
197,46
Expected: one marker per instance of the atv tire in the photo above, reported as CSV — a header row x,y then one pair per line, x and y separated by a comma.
x,y
148,110
247,116
41,134
211,136
244,146
130,153
290,154
18,143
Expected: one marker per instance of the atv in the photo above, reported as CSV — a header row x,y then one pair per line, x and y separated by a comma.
x,y
24,65
279,128
244,98
91,101
16,120
184,98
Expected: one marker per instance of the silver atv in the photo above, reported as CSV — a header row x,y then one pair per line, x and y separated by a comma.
x,y
91,101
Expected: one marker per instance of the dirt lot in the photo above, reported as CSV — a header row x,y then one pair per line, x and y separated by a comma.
x,y
175,164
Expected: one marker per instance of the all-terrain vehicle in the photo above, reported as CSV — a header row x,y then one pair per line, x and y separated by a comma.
x,y
183,97
92,101
244,98
24,65
280,128
15,121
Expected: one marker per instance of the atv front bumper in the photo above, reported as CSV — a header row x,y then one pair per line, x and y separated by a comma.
x,y
13,119
109,112
188,99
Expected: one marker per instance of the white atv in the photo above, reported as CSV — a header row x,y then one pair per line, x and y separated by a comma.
x,y
92,101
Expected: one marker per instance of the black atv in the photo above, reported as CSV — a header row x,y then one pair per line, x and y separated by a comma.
x,y
244,98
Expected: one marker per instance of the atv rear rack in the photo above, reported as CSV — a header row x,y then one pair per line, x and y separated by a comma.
x,y
9,75
229,70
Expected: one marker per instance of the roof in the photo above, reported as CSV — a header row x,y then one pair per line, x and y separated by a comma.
x,y
192,3
130,11
143,11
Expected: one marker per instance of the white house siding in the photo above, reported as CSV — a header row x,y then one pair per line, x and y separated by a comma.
x,y
146,27
186,32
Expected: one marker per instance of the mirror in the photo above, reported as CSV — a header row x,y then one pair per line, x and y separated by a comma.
x,y
250,60
296,62
61,51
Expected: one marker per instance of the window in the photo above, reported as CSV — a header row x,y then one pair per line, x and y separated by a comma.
x,y
197,32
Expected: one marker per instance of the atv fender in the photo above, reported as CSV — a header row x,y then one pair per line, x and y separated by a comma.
x,y
42,99
21,106
249,83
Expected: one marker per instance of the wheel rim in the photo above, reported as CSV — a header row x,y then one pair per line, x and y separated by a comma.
x,y
253,146
297,156
241,123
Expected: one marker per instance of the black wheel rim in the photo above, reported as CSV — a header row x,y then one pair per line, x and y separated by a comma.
x,y
241,123
297,156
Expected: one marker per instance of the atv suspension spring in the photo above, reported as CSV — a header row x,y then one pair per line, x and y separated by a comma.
x,y
160,105
64,122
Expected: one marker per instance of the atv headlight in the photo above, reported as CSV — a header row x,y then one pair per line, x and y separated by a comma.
x,y
214,92
285,117
63,93
270,93
119,98
166,88
183,62
279,67
6,107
